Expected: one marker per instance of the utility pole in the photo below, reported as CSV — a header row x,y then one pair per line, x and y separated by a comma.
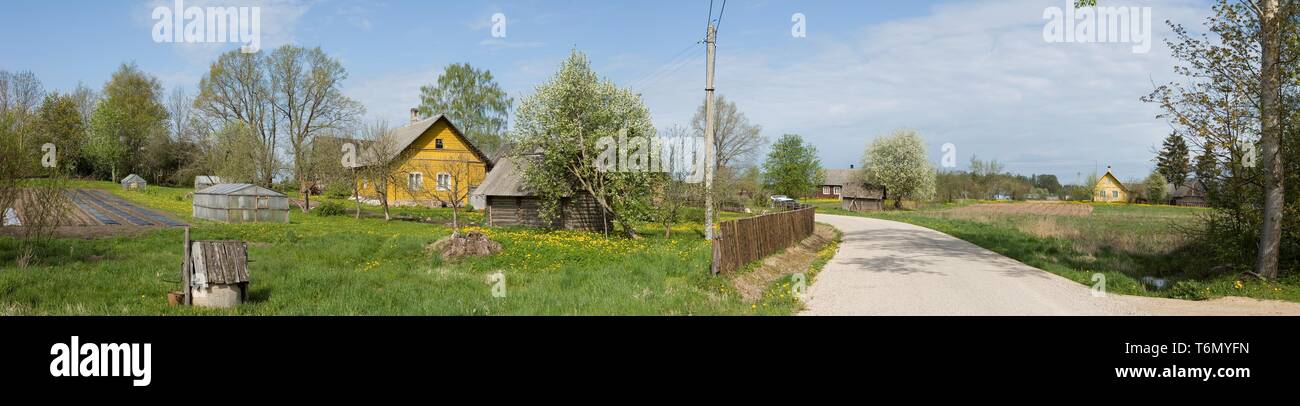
x,y
711,42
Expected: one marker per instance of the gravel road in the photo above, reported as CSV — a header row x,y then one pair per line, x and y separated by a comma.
x,y
891,268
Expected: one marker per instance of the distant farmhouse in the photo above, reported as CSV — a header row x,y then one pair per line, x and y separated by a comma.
x,y
1191,194
429,145
833,186
848,186
1110,189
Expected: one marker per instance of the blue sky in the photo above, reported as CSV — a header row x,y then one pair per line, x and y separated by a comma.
x,y
977,74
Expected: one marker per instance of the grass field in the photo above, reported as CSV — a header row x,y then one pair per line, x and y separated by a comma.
x,y
343,266
1076,240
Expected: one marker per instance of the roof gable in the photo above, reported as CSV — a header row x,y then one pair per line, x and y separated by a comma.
x,y
1112,179
407,135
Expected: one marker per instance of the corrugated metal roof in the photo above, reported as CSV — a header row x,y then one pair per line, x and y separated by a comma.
x,y
239,189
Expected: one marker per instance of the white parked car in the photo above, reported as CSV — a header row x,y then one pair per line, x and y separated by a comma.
x,y
783,201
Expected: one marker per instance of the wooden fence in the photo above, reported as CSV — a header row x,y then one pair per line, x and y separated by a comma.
x,y
742,241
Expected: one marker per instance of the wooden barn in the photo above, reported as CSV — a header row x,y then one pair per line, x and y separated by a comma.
x,y
859,196
510,203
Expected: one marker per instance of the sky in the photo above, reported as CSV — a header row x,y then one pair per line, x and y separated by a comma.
x,y
976,74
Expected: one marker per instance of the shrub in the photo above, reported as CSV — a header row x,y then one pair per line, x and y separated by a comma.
x,y
339,190
331,209
1189,290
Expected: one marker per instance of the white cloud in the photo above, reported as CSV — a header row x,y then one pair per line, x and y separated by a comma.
x,y
279,22
977,74
391,96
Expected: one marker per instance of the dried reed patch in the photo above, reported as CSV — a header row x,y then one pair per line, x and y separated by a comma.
x,y
1044,208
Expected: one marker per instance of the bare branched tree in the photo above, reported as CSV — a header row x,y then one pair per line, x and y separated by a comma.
x,y
380,162
450,187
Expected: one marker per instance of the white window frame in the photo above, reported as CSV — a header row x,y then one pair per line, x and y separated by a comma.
x,y
419,181
443,185
838,190
826,190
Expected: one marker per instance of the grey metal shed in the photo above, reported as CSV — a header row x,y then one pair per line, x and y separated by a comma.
x,y
241,203
134,182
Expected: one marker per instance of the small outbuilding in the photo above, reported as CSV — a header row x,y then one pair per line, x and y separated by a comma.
x,y
219,273
241,203
511,203
860,196
204,182
134,182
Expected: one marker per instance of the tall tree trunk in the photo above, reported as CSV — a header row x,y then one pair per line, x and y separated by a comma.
x,y
1270,230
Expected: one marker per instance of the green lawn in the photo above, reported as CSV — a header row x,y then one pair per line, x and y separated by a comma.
x,y
1124,242
344,266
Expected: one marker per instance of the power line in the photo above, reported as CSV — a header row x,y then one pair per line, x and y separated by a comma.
x,y
709,21
667,68
720,13
668,74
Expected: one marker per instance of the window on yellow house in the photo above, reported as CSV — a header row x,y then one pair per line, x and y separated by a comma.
x,y
415,181
437,143
1114,194
444,181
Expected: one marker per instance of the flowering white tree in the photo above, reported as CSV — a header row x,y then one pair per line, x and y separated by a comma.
x,y
564,121
898,162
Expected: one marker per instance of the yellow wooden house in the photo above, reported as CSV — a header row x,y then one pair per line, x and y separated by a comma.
x,y
436,164
1110,189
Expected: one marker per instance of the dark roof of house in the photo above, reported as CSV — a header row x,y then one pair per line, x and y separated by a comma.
x,y
506,178
406,135
860,190
840,177
1190,189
